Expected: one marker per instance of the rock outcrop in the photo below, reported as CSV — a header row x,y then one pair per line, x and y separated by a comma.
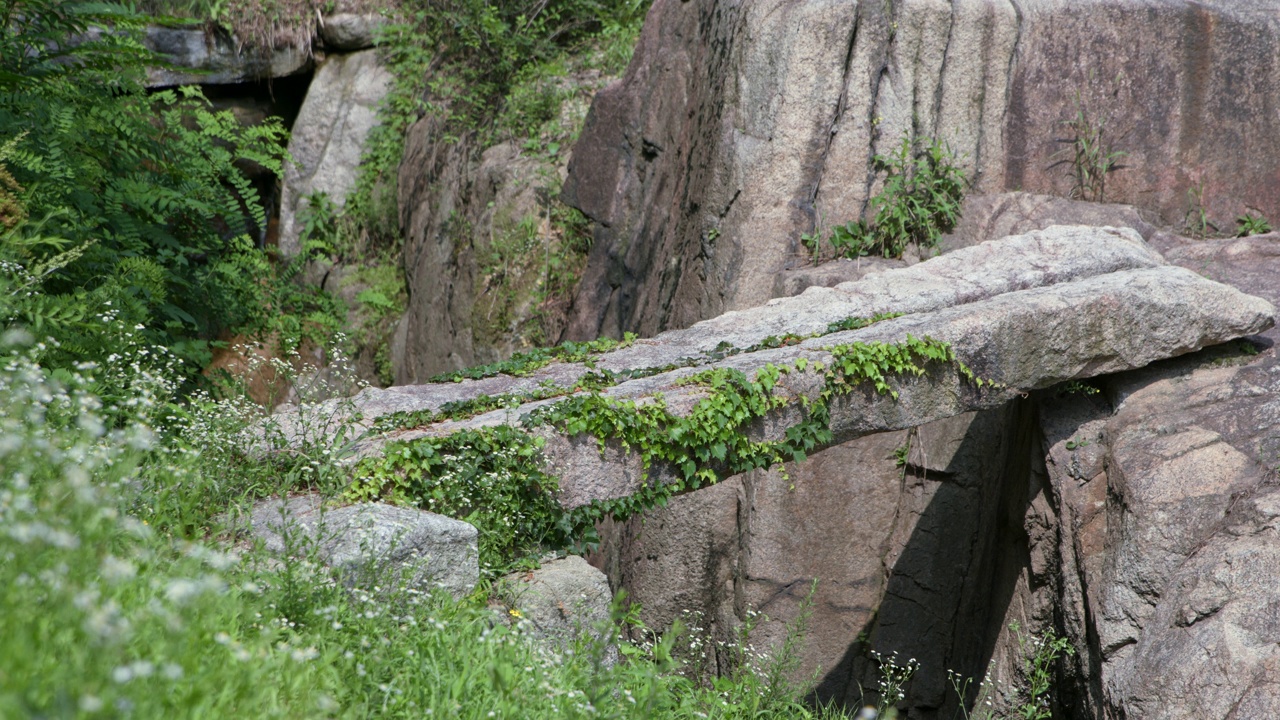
x,y
933,521
1165,485
327,141
564,602
347,31
1139,521
739,126
1023,312
489,264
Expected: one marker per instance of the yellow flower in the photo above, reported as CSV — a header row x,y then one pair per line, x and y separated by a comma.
x,y
515,613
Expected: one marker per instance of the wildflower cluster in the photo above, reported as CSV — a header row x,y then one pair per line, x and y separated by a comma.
x,y
894,678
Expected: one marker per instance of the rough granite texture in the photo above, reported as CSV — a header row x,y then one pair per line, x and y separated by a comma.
x,y
1140,522
992,518
1025,312
1170,516
350,31
327,140
562,601
739,126
374,543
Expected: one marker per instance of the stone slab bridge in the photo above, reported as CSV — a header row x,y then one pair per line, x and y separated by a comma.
x,y
1025,312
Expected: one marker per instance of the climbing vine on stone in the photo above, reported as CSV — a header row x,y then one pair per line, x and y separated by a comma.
x,y
483,475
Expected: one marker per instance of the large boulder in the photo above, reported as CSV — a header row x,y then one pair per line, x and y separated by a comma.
x,y
1139,521
327,141
373,544
934,519
739,126
1024,312
346,31
1166,488
896,542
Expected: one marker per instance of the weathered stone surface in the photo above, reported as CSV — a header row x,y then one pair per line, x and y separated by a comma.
x,y
1002,214
350,31
327,140
830,274
907,557
1169,520
562,601
1036,259
479,241
1025,312
1148,539
740,126
212,57
374,543
1178,103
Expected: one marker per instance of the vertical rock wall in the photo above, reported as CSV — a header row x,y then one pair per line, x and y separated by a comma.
x,y
741,125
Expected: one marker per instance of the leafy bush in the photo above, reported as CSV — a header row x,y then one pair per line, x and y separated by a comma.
x,y
133,202
921,199
491,478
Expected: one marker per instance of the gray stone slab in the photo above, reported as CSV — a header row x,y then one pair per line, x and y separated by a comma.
x,y
371,544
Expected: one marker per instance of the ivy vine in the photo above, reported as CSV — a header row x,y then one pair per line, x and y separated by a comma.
x,y
495,477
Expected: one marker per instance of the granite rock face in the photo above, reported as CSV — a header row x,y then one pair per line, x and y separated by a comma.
x,y
479,243
739,126
1169,519
1135,515
373,543
917,557
213,57
998,215
327,141
933,521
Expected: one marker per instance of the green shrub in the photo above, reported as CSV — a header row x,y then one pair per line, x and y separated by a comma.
x,y
133,202
108,608
921,199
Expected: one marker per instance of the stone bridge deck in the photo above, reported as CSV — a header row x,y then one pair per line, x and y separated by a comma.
x,y
1026,312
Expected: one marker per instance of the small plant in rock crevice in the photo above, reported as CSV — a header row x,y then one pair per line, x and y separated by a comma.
x,y
1250,224
1197,222
1031,697
920,200
1088,154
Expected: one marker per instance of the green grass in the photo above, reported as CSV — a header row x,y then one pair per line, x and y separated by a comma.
x,y
120,593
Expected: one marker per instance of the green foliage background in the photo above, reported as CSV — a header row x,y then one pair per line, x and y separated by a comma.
x,y
134,205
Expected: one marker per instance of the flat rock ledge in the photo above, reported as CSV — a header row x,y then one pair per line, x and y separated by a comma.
x,y
1026,312
371,544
